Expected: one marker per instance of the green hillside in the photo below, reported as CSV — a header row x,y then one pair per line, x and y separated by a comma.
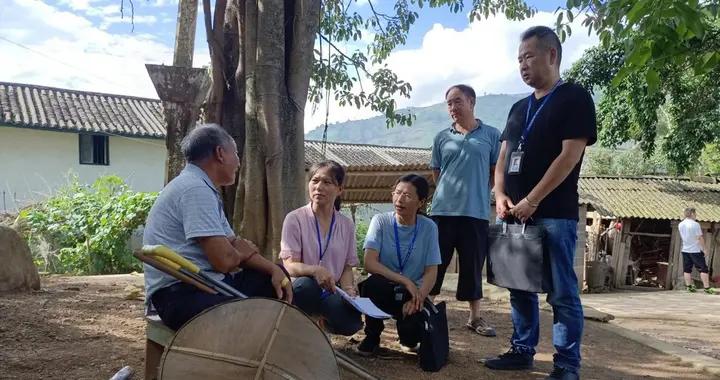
x,y
492,109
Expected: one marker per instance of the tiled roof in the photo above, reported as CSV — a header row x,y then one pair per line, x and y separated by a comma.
x,y
40,107
31,106
650,197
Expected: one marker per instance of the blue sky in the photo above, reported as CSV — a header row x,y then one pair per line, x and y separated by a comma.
x,y
87,45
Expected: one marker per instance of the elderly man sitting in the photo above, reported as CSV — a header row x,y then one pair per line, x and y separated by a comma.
x,y
188,218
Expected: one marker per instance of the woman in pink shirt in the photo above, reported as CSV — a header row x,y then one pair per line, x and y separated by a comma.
x,y
318,250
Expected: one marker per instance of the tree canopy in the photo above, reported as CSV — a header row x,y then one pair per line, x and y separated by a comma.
x,y
680,110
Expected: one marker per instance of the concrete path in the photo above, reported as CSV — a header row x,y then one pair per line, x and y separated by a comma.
x,y
686,325
678,323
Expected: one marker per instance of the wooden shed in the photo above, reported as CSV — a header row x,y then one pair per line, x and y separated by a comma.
x,y
645,250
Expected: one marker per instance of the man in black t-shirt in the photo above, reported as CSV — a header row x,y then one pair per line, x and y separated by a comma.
x,y
536,182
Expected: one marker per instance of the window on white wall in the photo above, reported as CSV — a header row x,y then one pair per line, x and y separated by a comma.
x,y
94,150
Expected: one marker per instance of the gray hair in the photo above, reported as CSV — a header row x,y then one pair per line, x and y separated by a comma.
x,y
201,142
690,211
546,37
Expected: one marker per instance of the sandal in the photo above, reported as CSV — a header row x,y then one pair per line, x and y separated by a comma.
x,y
479,326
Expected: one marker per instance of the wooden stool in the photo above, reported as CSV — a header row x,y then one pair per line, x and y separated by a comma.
x,y
157,337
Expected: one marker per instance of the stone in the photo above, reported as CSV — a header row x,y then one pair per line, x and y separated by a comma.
x,y
17,272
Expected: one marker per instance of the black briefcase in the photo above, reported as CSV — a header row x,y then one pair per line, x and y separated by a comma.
x,y
517,258
435,343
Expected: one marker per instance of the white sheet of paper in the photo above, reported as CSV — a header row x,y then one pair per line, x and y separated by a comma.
x,y
363,305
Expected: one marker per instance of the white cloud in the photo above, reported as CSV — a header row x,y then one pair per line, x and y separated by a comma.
x,y
67,50
162,3
79,5
483,55
107,10
137,19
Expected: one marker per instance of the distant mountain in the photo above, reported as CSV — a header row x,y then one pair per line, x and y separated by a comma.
x,y
491,109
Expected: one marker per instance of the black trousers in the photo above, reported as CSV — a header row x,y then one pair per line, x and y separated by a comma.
x,y
381,292
469,236
180,302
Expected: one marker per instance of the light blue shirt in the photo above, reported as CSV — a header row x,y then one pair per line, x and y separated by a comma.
x,y
464,161
187,208
426,252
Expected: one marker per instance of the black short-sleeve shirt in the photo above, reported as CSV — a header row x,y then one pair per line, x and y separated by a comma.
x,y
569,114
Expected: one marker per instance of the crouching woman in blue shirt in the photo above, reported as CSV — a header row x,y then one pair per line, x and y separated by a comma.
x,y
402,255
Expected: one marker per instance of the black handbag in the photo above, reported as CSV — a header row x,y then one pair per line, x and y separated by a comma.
x,y
517,258
434,343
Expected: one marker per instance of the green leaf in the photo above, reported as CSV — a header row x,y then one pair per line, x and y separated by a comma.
x,y
640,55
636,12
621,75
653,81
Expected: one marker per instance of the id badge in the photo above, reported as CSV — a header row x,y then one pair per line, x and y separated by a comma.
x,y
399,291
515,162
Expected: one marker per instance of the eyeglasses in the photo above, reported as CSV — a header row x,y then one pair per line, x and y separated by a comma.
x,y
405,196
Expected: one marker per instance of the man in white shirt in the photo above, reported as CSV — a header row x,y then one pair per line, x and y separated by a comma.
x,y
693,244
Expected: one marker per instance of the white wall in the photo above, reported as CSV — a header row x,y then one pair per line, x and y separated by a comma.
x,y
33,163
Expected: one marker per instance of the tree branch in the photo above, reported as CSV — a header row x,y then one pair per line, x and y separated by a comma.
x,y
322,37
372,8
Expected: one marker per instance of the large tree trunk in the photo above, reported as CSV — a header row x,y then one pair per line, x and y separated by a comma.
x,y
263,62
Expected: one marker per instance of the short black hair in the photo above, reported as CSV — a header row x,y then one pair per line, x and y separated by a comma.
x,y
465,89
201,142
422,187
547,38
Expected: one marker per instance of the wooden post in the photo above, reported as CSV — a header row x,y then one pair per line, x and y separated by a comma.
x,y
579,262
353,210
714,247
621,250
674,257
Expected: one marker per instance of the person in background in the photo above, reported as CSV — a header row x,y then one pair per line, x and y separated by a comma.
x,y
463,162
318,248
693,251
402,256
536,181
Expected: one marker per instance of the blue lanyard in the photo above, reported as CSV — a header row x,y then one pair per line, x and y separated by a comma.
x,y
329,235
402,262
529,123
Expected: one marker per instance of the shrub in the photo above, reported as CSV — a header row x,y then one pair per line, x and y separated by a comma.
x,y
86,229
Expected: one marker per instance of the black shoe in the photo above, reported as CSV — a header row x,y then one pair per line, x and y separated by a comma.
x,y
368,346
512,360
559,373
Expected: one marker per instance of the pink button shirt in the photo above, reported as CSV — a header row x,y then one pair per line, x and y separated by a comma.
x,y
299,241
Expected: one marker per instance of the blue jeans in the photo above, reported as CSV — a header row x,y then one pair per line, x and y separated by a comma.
x,y
564,299
341,317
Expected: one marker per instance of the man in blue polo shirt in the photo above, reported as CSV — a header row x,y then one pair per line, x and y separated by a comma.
x,y
463,163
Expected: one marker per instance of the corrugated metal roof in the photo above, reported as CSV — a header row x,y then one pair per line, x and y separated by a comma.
x,y
365,157
31,106
650,197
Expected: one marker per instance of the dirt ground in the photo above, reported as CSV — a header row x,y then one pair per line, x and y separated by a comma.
x,y
83,328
